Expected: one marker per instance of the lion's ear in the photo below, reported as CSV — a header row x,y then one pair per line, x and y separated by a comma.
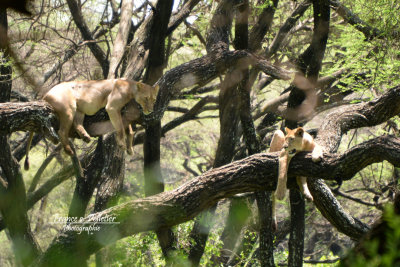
x,y
156,88
287,130
300,132
139,85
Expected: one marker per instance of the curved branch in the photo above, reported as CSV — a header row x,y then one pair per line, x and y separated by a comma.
x,y
29,116
257,172
202,70
330,133
360,115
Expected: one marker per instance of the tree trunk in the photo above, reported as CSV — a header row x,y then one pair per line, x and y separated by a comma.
x,y
218,39
229,122
297,226
154,183
301,100
13,206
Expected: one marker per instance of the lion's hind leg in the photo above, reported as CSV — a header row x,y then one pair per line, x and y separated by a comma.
x,y
115,117
64,105
78,124
129,139
302,182
66,121
276,144
277,141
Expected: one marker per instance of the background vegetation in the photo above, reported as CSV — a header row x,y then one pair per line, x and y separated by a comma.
x,y
360,62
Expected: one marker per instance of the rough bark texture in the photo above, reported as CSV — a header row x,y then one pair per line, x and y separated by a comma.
x,y
253,174
266,238
93,174
257,172
112,173
238,210
28,116
13,206
301,99
218,40
296,241
249,133
154,182
329,136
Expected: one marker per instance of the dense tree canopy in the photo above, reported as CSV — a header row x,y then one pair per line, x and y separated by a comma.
x,y
198,189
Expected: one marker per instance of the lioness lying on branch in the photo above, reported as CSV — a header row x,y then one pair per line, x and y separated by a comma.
x,y
289,145
72,100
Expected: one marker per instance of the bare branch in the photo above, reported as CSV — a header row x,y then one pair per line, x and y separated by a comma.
x,y
98,53
121,38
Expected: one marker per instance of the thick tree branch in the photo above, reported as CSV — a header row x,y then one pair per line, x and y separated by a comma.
x,y
257,172
28,116
202,70
329,136
356,116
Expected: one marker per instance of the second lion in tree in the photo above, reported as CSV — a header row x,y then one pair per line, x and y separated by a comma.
x,y
289,145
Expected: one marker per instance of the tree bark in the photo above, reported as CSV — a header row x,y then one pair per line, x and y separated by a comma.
x,y
85,187
112,174
218,39
249,132
12,188
266,237
257,172
296,241
154,183
121,39
302,100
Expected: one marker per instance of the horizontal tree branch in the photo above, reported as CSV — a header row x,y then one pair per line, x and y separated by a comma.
x,y
202,70
335,125
255,173
35,116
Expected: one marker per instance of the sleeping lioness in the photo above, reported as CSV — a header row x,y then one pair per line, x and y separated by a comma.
x,y
72,100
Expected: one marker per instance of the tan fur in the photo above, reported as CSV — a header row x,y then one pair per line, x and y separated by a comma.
x,y
289,145
72,100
